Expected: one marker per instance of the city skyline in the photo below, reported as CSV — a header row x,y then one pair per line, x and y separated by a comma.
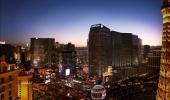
x,y
70,21
84,49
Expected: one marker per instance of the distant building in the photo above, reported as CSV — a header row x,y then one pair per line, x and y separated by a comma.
x,y
82,53
154,57
22,54
67,59
42,50
126,50
45,51
99,49
7,50
146,50
111,48
153,60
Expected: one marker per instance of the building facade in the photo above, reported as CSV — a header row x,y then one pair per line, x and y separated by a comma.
x,y
163,92
99,49
81,53
146,50
67,59
8,80
154,57
24,86
7,50
42,50
111,48
13,84
126,50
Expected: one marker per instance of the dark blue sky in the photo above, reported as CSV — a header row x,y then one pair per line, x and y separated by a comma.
x,y
70,20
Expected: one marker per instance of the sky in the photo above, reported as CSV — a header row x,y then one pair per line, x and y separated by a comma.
x,y
70,20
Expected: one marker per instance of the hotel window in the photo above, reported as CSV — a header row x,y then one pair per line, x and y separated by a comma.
x,y
2,97
10,98
2,89
10,78
2,80
4,69
10,85
10,93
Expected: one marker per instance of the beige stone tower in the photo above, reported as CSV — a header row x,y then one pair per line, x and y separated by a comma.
x,y
163,92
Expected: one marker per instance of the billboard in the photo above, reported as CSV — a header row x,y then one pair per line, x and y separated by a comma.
x,y
67,72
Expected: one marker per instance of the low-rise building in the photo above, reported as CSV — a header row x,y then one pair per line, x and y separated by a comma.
x,y
8,80
14,84
24,86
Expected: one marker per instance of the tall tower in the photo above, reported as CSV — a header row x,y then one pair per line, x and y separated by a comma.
x,y
163,92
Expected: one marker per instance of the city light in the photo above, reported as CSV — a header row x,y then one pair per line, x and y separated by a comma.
x,y
67,72
85,50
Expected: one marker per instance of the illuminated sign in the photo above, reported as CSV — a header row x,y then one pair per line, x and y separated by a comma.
x,y
67,72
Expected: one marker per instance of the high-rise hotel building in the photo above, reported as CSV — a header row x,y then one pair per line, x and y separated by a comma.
x,y
163,92
111,48
42,50
99,49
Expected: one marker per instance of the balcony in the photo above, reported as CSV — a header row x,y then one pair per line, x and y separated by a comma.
x,y
3,72
7,68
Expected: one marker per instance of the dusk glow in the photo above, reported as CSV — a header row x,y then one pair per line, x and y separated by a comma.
x,y
70,20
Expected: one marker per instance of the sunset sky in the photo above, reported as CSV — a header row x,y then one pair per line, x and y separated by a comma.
x,y
70,20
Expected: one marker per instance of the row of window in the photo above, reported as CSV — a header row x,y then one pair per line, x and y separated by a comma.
x,y
166,31
2,89
2,97
4,69
166,26
2,80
